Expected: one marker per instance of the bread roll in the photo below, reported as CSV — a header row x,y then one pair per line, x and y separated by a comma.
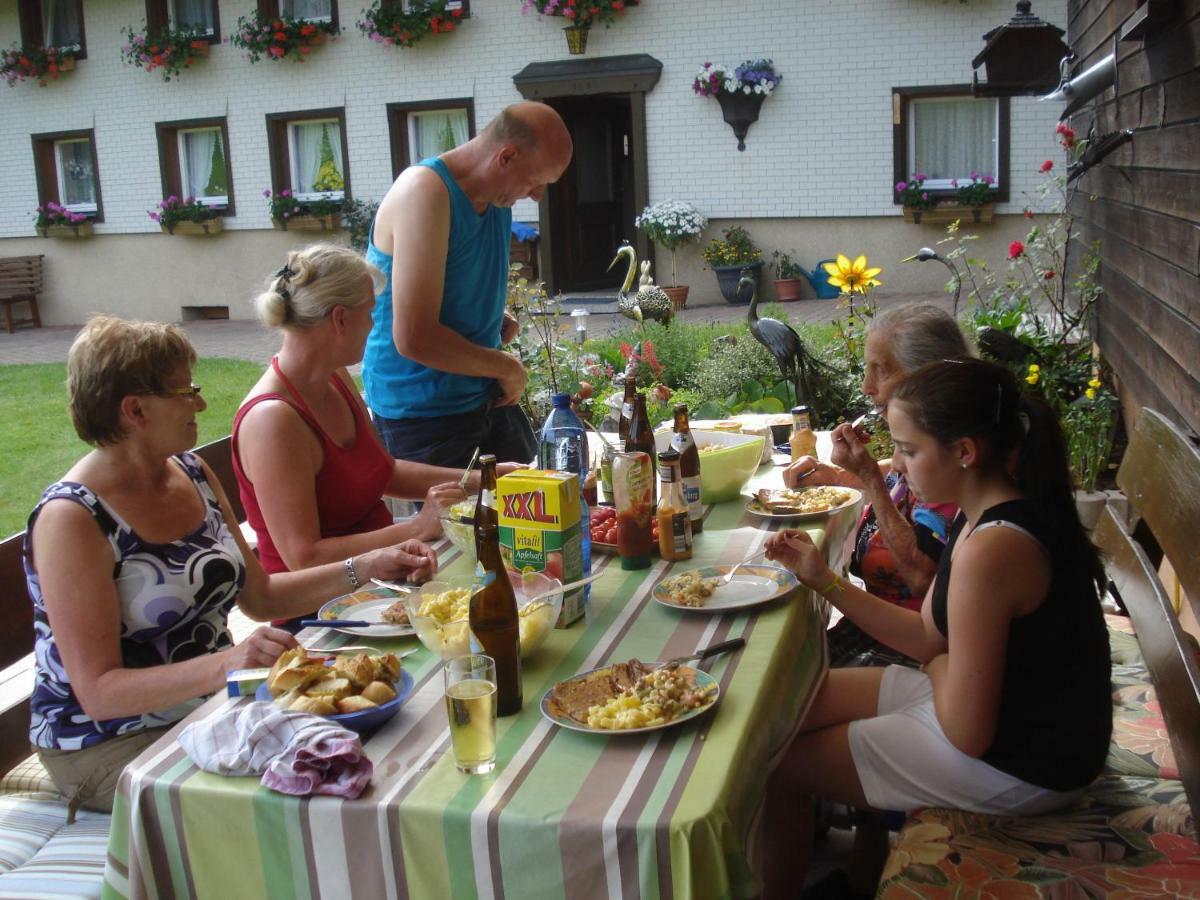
x,y
379,692
387,668
330,686
318,706
355,704
359,669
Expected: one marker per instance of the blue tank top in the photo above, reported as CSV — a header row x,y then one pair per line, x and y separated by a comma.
x,y
472,304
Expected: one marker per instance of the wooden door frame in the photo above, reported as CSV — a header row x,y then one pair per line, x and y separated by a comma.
x,y
633,75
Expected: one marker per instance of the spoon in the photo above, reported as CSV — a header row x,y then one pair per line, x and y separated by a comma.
x,y
710,650
728,576
566,587
462,482
399,588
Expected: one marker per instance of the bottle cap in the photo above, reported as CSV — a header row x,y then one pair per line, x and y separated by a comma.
x,y
799,409
561,401
681,408
669,455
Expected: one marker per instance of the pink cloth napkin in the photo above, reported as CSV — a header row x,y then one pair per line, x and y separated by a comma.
x,y
295,752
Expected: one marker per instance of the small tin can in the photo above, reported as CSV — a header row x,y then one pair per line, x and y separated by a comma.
x,y
606,475
633,490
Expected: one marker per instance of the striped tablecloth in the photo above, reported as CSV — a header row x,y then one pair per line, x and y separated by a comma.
x,y
672,814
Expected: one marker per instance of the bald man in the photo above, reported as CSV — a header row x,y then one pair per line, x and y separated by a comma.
x,y
438,384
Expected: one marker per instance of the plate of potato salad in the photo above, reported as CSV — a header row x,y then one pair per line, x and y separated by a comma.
x,y
630,698
704,590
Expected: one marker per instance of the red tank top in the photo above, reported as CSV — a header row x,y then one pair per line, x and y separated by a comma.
x,y
349,485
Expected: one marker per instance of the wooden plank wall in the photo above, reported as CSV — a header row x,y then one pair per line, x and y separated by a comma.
x,y
1143,205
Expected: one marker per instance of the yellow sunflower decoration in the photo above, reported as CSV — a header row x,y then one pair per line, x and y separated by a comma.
x,y
852,277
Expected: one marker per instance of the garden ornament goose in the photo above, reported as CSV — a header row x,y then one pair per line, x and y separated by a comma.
x,y
649,302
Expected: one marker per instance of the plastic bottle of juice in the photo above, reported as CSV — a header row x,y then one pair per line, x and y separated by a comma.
x,y
803,440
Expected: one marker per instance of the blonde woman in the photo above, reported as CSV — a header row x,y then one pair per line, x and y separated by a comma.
x,y
311,470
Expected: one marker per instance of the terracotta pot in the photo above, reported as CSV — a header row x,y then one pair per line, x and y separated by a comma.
x,y
212,226
82,230
330,222
787,289
945,213
577,36
678,295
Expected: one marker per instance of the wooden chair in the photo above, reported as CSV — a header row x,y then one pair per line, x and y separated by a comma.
x,y
20,282
16,655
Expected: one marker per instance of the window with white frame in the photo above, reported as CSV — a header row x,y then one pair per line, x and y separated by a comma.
x,y
434,131
315,155
203,171
196,15
313,10
75,174
946,134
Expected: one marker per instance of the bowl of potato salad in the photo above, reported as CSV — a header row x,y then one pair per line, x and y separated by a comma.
x,y
439,613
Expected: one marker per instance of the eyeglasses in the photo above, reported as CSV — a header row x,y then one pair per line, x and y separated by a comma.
x,y
192,391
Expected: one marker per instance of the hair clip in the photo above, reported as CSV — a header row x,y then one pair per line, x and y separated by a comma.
x,y
285,273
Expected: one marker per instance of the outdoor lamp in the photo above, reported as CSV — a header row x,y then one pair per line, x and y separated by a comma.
x,y
580,316
1020,58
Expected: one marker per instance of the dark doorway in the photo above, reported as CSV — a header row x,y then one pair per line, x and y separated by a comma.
x,y
592,206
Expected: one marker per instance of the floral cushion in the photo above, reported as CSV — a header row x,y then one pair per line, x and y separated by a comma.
x,y
1122,641
1140,745
1127,837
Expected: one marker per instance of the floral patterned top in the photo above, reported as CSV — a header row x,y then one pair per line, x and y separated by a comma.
x,y
175,600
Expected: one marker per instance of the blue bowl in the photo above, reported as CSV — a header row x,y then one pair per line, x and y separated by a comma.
x,y
368,719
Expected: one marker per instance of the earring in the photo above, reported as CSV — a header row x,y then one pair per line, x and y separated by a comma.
x,y
964,465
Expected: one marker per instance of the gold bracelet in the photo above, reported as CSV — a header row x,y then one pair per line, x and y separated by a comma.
x,y
832,586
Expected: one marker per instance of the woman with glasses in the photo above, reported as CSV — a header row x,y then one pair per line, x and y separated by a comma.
x,y
311,470
134,559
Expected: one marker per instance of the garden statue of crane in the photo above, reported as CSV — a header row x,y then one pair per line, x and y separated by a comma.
x,y
649,301
927,253
785,345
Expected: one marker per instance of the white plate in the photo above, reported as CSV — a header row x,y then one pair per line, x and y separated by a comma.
x,y
368,605
701,678
751,585
757,509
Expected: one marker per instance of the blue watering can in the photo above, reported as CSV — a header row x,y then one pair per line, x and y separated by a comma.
x,y
819,279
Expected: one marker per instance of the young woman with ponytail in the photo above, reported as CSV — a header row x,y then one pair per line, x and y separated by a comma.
x,y
1011,712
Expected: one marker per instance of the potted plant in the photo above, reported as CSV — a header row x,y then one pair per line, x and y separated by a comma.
x,y
43,63
976,198
788,276
740,91
580,16
397,25
271,37
171,50
915,199
728,257
55,220
291,214
188,216
671,224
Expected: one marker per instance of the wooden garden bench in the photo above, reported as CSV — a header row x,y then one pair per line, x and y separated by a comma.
x,y
20,282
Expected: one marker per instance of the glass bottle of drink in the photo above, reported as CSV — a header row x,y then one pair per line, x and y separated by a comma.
x,y
689,466
627,403
641,435
493,618
564,448
633,491
803,440
674,523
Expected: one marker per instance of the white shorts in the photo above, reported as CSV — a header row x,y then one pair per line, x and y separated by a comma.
x,y
905,761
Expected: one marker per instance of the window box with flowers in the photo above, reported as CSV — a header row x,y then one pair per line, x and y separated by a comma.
x,y
292,214
581,16
973,201
728,257
56,221
265,36
188,216
393,24
740,91
170,50
44,64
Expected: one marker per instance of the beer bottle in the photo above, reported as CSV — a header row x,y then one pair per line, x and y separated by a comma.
x,y
674,524
689,466
493,612
641,435
627,402
803,440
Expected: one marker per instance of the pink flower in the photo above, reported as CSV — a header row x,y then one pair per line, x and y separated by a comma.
x,y
901,186
267,192
1015,249
988,179
1028,213
1047,165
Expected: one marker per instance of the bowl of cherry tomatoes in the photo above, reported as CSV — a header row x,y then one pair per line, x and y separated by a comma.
x,y
604,530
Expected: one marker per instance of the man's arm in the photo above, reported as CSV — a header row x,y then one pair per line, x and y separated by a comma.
x,y
414,220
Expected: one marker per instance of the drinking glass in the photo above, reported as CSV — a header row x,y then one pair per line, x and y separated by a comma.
x,y
471,706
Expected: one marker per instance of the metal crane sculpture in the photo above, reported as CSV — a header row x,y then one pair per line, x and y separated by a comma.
x,y
785,345
927,253
649,301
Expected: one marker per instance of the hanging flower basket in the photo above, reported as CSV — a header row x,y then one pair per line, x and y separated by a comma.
x,y
279,37
582,16
331,222
577,36
740,91
396,25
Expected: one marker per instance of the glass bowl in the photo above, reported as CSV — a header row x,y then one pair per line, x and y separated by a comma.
x,y
458,524
450,636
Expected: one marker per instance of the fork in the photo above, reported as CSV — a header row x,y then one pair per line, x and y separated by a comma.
x,y
466,475
728,576
711,650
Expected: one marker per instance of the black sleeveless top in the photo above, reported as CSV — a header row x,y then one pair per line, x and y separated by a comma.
x,y
1055,717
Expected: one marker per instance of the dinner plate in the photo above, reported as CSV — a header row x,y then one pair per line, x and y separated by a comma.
x,y
751,585
367,719
703,680
368,605
757,509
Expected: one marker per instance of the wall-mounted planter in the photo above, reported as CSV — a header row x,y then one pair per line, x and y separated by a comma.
x,y
945,213
740,111
210,226
577,36
82,230
331,222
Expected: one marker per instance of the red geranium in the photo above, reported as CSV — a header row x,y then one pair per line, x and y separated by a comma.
x,y
1015,249
1047,165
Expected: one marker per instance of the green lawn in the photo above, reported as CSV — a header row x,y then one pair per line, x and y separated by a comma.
x,y
40,444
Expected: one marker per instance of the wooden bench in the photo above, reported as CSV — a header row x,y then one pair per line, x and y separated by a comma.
x,y
1134,830
20,282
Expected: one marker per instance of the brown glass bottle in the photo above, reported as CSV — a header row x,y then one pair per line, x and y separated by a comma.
x,y
627,404
641,435
493,613
689,466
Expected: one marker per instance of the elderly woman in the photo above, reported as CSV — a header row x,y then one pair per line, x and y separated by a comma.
x,y
134,560
311,471
900,537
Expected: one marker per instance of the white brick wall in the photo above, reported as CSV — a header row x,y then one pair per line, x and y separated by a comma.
x,y
821,148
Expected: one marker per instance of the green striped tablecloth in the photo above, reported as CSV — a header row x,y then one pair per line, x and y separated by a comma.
x,y
671,814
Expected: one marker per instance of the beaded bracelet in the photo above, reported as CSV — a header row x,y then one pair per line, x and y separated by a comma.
x,y
832,586
351,574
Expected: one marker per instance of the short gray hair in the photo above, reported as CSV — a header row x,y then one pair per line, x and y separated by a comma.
x,y
920,333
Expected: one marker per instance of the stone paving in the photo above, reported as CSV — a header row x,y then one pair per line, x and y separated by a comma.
x,y
246,339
